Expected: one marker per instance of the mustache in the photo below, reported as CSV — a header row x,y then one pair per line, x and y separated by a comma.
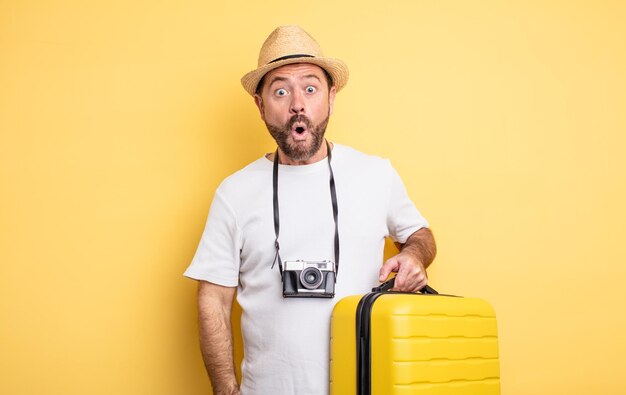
x,y
299,119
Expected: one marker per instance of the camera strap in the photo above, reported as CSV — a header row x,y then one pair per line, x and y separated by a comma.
x,y
333,197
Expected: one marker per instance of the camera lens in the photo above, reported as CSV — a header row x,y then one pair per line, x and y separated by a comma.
x,y
311,278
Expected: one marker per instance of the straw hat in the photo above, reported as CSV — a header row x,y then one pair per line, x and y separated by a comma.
x,y
291,44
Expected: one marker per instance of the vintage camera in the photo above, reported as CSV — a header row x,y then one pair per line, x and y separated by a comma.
x,y
307,279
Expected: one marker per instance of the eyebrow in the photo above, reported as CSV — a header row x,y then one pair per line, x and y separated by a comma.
x,y
278,79
275,79
313,76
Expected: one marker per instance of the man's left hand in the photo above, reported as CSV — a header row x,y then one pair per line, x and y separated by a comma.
x,y
411,275
415,256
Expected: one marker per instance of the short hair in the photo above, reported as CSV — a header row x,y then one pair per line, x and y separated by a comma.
x,y
259,87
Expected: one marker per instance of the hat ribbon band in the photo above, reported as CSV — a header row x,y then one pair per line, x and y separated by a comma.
x,y
291,57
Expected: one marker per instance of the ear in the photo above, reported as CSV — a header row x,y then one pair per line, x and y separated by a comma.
x,y
258,100
331,99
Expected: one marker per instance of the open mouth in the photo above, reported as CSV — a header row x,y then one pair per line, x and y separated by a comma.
x,y
299,128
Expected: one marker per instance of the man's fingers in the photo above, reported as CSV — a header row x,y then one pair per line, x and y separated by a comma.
x,y
410,278
387,268
423,284
401,278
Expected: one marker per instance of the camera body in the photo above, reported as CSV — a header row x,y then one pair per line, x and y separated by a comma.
x,y
309,279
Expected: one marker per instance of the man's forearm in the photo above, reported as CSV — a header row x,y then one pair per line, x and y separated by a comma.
x,y
421,245
214,303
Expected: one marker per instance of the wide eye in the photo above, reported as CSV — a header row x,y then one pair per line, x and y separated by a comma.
x,y
280,92
311,89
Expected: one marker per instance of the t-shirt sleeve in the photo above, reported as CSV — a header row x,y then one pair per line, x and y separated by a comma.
x,y
217,258
403,218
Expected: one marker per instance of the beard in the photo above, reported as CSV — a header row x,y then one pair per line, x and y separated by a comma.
x,y
299,151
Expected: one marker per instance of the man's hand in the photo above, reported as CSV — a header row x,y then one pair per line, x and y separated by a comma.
x,y
411,275
415,256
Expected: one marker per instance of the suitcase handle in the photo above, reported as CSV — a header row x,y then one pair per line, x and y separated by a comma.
x,y
387,285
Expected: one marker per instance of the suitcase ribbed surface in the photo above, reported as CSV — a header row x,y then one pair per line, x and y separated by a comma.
x,y
433,345
420,345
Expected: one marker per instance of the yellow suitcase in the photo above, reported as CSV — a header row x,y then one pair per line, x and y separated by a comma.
x,y
392,343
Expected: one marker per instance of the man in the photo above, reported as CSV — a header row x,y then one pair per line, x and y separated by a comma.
x,y
309,201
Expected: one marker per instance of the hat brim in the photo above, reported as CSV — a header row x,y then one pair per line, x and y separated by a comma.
x,y
337,69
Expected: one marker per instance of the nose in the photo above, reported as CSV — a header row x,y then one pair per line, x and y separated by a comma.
x,y
297,104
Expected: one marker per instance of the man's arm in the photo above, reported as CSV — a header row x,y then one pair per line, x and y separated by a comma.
x,y
216,342
415,256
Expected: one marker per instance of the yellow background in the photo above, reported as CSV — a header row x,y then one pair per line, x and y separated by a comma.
x,y
118,119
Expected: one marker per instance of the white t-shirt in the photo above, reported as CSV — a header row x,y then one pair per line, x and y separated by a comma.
x,y
286,341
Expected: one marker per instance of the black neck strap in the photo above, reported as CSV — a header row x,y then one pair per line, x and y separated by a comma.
x,y
333,197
